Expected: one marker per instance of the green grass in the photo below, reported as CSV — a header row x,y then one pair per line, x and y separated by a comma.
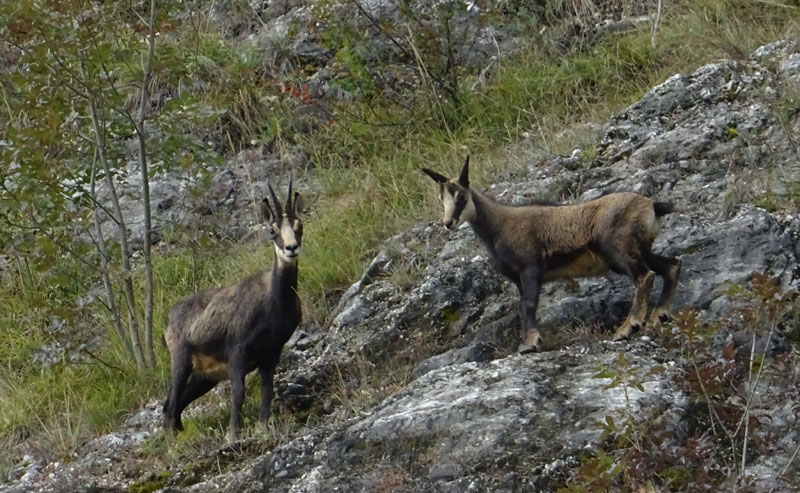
x,y
371,189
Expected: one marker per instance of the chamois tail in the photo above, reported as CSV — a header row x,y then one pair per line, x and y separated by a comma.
x,y
662,208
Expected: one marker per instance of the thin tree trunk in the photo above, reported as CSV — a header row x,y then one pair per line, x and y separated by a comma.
x,y
122,230
104,268
140,133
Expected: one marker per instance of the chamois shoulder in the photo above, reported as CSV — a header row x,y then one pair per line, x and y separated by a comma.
x,y
186,311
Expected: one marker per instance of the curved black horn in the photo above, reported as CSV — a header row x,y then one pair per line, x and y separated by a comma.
x,y
464,178
278,208
289,200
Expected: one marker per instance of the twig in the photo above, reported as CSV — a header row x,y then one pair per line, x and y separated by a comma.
x,y
758,375
753,386
481,80
746,415
109,365
100,245
427,78
656,22
381,30
141,135
122,231
712,412
791,459
258,16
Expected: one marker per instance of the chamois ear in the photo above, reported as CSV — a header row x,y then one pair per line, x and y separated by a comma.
x,y
266,211
298,205
436,176
463,179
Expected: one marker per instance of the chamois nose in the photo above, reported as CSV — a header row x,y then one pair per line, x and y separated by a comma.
x,y
449,224
292,248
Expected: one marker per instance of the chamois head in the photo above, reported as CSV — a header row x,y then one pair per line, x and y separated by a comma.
x,y
456,197
285,226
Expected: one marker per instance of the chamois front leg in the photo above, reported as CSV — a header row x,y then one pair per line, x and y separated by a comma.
x,y
529,287
197,386
267,373
236,373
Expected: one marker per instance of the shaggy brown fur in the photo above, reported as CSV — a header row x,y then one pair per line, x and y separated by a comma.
x,y
225,333
538,243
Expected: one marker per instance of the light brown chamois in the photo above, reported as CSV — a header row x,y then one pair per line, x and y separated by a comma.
x,y
225,333
534,244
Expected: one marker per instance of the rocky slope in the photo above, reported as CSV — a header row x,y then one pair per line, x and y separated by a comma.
x,y
466,414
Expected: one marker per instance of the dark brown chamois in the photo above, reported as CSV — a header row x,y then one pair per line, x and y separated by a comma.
x,y
225,333
534,244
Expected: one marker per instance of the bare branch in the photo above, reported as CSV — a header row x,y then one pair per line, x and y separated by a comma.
x,y
101,248
148,228
122,231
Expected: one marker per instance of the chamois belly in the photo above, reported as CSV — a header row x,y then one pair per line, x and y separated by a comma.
x,y
210,367
215,369
584,263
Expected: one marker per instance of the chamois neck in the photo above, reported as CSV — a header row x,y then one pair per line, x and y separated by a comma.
x,y
284,277
487,221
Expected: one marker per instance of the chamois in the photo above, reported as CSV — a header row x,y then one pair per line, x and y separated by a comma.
x,y
225,333
534,244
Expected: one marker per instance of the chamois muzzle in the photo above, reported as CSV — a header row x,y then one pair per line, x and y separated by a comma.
x,y
292,250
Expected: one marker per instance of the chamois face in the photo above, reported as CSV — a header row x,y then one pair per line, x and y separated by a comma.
x,y
456,197
285,227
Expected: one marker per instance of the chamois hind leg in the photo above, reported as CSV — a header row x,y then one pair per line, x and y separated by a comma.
x,y
181,368
643,283
669,268
642,276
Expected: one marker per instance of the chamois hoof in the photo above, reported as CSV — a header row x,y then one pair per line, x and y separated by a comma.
x,y
172,426
659,317
622,334
627,330
530,343
176,427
